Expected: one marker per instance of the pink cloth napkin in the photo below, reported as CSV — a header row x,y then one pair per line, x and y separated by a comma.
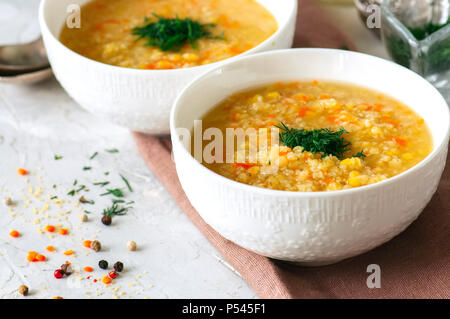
x,y
415,264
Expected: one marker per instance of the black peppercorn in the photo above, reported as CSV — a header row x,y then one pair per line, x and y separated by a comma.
x,y
118,266
66,269
106,220
103,264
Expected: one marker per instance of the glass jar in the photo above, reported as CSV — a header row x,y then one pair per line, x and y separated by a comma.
x,y
425,53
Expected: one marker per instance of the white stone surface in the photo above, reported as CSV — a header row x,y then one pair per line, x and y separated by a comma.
x,y
40,121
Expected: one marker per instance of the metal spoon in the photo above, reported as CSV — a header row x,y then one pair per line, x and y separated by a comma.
x,y
23,58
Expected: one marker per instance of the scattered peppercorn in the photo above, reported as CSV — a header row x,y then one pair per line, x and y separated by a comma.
x,y
106,220
58,273
82,200
95,245
112,274
131,245
118,266
103,264
23,290
67,268
8,201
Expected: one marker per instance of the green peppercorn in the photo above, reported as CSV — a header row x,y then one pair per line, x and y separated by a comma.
x,y
103,264
118,266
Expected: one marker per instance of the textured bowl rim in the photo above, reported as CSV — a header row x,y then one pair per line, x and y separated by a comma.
x,y
280,31
271,192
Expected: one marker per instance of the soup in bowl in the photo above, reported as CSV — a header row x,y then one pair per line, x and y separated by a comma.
x,y
127,60
362,144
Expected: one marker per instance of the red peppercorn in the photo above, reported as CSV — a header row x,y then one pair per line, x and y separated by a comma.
x,y
112,274
58,274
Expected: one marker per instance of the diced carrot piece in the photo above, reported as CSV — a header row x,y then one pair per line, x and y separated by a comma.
x,y
88,269
302,111
14,233
87,243
50,248
301,97
50,228
63,231
68,252
401,141
332,118
106,280
31,256
40,257
244,165
22,171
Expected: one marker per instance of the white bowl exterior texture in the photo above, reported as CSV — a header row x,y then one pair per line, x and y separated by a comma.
x,y
137,99
314,228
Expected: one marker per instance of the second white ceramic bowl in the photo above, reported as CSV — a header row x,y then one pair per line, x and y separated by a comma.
x,y
319,227
137,99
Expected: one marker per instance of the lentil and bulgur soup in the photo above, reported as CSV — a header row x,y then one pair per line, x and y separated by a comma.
x,y
332,136
168,34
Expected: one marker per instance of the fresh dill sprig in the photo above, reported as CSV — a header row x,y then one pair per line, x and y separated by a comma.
x,y
115,210
361,155
126,182
93,156
172,34
323,140
74,191
87,168
58,157
115,192
101,184
113,150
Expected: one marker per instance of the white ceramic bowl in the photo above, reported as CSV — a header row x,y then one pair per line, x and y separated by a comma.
x,y
311,228
137,99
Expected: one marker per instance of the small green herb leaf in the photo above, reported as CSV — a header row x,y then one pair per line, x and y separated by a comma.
x,y
127,183
115,192
93,155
